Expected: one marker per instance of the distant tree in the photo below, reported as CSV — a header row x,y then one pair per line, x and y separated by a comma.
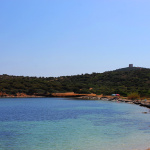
x,y
84,91
76,90
31,91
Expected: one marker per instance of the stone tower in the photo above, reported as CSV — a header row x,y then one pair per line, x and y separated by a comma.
x,y
130,65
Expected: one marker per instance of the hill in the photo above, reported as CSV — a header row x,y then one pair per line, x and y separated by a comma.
x,y
122,81
129,69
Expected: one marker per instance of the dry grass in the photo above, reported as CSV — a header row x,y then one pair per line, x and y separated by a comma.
x,y
69,94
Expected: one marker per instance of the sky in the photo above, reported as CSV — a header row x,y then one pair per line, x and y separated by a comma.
x,y
51,38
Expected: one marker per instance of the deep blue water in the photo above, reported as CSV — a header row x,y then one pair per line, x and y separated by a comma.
x,y
69,124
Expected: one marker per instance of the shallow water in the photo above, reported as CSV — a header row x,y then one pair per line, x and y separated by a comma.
x,y
68,124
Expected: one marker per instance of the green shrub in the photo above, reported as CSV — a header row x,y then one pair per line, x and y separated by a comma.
x,y
133,96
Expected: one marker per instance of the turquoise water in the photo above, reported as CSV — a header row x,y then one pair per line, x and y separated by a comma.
x,y
68,124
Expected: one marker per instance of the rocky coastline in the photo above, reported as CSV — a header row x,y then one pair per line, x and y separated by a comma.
x,y
144,102
140,102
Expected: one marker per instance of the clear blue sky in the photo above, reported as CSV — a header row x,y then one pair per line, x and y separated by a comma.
x,y
69,37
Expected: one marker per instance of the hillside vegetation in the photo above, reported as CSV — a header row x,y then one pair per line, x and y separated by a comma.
x,y
122,81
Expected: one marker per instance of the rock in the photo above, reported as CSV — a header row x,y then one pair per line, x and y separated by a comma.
x,y
144,112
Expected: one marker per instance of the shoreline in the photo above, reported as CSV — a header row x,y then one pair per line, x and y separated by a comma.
x,y
143,103
67,94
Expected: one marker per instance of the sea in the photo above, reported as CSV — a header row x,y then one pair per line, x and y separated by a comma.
x,y
72,124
